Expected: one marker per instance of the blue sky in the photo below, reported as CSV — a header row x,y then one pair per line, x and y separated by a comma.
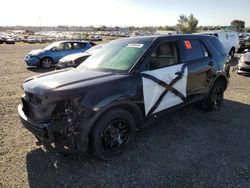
x,y
121,12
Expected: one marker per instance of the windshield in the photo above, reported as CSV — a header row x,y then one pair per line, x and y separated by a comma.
x,y
119,55
95,48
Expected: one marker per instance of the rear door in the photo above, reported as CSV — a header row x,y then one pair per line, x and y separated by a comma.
x,y
200,66
164,83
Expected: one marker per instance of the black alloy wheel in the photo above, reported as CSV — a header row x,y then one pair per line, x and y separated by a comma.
x,y
113,134
215,97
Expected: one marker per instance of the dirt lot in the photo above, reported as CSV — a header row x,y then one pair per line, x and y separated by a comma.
x,y
190,148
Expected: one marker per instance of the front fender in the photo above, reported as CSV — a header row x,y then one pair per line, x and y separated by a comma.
x,y
87,123
220,75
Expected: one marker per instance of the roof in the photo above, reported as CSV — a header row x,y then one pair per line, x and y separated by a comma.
x,y
153,37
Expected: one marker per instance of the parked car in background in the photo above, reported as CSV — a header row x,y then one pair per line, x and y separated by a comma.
x,y
31,40
244,63
51,54
244,35
229,39
10,40
2,39
244,44
73,60
41,40
95,38
123,87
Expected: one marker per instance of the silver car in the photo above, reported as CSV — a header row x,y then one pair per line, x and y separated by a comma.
x,y
244,63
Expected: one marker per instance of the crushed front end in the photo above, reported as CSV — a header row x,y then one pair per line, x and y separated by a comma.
x,y
51,119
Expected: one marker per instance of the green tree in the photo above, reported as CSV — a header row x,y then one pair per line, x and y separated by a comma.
x,y
187,24
170,28
248,29
103,28
238,24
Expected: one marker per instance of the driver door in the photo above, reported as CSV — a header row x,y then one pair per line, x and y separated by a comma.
x,y
164,84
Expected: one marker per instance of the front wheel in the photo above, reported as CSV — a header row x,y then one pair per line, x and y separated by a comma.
x,y
46,62
215,97
113,134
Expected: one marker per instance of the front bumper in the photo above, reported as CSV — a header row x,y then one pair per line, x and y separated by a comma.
x,y
32,60
45,133
42,131
243,68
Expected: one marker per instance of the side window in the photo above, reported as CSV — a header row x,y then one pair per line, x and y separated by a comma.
x,y
194,49
217,46
204,50
77,45
64,46
165,55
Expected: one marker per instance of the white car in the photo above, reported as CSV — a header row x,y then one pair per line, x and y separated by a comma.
x,y
229,39
10,40
244,64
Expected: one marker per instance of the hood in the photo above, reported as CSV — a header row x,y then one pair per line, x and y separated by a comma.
x,y
74,56
36,52
246,57
67,82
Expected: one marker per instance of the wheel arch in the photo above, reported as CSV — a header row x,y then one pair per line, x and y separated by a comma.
x,y
87,123
233,49
46,56
219,77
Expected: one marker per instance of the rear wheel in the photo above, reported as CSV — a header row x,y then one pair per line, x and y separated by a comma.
x,y
113,134
46,62
215,98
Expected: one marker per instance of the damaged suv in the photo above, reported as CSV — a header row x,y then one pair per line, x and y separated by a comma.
x,y
126,85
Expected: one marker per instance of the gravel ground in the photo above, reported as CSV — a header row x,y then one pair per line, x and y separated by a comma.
x,y
189,148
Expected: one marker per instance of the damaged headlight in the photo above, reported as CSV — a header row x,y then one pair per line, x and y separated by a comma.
x,y
68,63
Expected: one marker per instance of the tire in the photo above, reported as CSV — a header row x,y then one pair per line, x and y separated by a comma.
x,y
46,62
113,134
232,52
215,97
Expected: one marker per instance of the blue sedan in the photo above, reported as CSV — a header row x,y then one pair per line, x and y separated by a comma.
x,y
51,54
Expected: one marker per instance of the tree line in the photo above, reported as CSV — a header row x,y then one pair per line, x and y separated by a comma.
x,y
186,24
189,24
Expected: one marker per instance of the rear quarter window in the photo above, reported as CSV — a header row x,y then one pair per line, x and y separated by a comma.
x,y
216,44
194,49
78,45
